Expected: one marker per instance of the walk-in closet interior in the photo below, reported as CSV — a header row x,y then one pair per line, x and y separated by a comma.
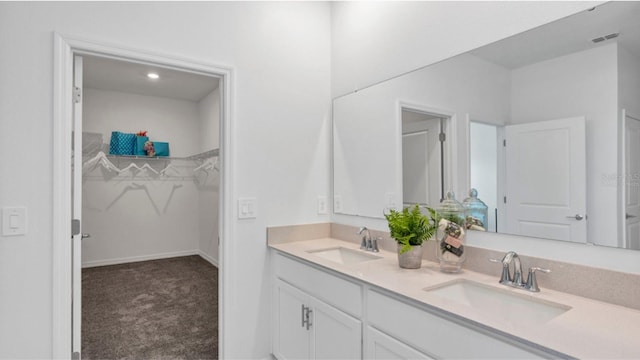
x,y
143,208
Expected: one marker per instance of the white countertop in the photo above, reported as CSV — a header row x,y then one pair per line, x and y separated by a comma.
x,y
589,330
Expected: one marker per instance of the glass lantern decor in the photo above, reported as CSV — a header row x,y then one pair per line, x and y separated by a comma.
x,y
450,235
475,212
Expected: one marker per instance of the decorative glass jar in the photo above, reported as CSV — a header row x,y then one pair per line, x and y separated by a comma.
x,y
476,212
450,234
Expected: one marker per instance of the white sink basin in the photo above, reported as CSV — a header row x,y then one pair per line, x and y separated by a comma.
x,y
505,305
345,256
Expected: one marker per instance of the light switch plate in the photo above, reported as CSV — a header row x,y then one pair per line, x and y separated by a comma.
x,y
337,203
322,205
14,221
247,208
390,200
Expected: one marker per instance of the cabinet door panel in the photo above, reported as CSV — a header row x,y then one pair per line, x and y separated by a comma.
x,y
381,346
336,335
291,339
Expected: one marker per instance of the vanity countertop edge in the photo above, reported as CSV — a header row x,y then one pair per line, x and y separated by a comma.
x,y
590,329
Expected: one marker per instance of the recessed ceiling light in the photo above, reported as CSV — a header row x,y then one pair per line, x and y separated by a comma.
x,y
153,76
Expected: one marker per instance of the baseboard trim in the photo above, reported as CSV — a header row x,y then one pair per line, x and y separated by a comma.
x,y
207,257
130,259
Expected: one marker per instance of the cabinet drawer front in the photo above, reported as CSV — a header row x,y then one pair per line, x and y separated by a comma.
x,y
380,346
333,290
436,336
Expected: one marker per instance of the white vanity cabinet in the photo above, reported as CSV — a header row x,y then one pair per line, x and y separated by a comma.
x,y
315,314
318,314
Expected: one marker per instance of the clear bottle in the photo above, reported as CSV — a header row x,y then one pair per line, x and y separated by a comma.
x,y
476,212
451,233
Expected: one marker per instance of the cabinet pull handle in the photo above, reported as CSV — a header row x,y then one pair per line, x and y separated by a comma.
x,y
304,315
309,311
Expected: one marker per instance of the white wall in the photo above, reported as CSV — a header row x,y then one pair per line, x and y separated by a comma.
x,y
281,97
374,41
629,81
138,215
208,182
568,86
170,120
209,121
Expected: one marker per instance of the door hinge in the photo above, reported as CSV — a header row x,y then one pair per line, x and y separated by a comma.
x,y
443,137
75,227
504,143
505,199
77,95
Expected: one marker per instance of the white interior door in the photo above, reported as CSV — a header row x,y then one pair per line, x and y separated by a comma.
x,y
415,168
421,180
546,179
77,208
632,182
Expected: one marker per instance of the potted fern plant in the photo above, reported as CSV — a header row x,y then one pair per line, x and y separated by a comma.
x,y
410,228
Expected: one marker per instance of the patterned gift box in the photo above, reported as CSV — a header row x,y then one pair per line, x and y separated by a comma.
x,y
121,143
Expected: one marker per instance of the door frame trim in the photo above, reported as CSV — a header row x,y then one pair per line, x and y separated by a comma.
x,y
65,47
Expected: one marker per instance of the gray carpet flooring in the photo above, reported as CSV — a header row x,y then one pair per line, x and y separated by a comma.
x,y
160,309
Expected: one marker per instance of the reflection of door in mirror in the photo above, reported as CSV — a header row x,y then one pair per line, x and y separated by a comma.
x,y
632,182
546,179
484,149
421,158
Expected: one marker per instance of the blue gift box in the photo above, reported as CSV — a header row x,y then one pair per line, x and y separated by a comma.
x,y
121,143
162,148
138,148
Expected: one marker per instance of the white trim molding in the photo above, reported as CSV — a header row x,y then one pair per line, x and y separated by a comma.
x,y
65,47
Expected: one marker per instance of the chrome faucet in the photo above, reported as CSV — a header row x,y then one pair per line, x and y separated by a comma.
x,y
367,243
516,280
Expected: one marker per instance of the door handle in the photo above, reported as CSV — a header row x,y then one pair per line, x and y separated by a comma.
x,y
576,216
629,216
86,235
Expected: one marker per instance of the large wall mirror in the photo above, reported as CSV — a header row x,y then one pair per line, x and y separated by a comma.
x,y
544,124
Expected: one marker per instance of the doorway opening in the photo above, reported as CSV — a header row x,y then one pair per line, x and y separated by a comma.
x,y
423,173
168,205
151,212
486,169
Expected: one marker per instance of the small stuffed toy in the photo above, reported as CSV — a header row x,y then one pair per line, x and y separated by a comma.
x,y
149,149
141,133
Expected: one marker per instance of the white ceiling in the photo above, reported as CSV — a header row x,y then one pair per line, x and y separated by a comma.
x,y
116,75
568,35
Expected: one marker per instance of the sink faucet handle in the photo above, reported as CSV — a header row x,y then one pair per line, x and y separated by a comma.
x,y
366,238
374,244
505,278
532,283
